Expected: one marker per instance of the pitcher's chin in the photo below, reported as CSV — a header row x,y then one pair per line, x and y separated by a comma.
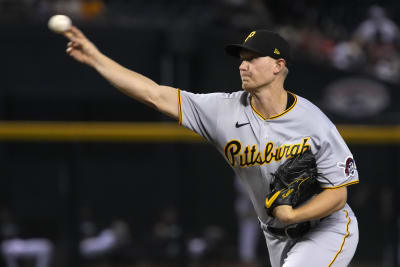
x,y
246,87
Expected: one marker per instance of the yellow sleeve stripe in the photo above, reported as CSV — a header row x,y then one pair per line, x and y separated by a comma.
x,y
342,185
344,238
179,108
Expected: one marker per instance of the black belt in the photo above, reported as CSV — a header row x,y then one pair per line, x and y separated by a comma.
x,y
292,231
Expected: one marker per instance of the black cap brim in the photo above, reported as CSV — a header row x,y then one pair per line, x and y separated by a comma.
x,y
234,50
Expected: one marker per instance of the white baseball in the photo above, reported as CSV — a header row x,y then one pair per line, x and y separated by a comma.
x,y
59,23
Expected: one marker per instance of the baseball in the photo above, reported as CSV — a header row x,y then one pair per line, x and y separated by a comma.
x,y
59,23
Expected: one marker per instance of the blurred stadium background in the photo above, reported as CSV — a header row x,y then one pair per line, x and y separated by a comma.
x,y
92,178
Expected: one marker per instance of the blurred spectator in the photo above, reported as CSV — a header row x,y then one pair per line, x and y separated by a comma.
x,y
87,227
379,36
377,28
196,247
16,249
388,68
99,245
249,229
210,246
348,55
373,48
316,44
165,243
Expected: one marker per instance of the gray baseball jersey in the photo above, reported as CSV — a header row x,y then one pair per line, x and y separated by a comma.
x,y
255,147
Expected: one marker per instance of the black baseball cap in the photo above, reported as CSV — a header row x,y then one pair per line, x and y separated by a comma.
x,y
263,42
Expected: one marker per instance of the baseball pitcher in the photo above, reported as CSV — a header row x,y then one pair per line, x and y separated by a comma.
x,y
289,156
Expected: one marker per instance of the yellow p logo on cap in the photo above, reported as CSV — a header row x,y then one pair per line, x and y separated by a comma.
x,y
250,35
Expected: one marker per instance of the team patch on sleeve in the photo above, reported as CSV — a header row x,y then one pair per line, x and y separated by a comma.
x,y
349,167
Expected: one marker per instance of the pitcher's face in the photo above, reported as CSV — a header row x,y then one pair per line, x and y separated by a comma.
x,y
255,70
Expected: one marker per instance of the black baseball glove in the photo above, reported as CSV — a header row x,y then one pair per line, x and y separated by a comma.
x,y
294,182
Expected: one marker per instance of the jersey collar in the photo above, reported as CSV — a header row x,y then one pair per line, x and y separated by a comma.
x,y
290,94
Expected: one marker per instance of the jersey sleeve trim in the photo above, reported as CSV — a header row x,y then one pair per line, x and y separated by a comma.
x,y
342,185
344,238
179,108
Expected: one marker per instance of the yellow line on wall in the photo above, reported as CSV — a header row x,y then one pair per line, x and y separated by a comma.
x,y
156,132
95,132
368,134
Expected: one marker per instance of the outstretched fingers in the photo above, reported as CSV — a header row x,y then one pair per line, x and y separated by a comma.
x,y
79,47
74,35
77,32
73,44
